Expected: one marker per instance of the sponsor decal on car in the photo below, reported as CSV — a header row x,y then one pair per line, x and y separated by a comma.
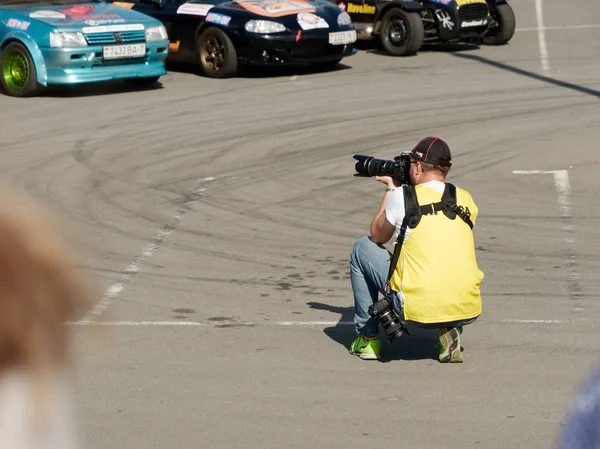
x,y
220,19
276,8
113,28
47,15
468,2
124,4
473,23
78,11
361,9
194,9
310,21
104,21
442,2
18,24
444,18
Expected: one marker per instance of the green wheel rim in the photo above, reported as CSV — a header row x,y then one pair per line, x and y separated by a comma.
x,y
16,70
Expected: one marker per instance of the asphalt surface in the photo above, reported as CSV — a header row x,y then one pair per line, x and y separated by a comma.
x,y
215,220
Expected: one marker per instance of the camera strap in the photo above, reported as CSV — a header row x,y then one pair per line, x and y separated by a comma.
x,y
410,219
414,212
448,206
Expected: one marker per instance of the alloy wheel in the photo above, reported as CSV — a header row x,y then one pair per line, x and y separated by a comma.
x,y
16,70
213,53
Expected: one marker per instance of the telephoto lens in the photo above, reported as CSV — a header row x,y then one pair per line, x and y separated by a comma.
x,y
399,168
370,166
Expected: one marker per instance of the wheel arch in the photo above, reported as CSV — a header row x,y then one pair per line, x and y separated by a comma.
x,y
406,5
34,51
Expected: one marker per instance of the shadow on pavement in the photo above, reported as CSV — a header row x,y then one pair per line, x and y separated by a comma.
x,y
374,46
257,71
518,71
96,89
419,345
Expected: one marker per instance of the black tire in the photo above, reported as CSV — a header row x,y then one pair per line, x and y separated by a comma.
x,y
217,54
402,32
19,59
504,28
142,82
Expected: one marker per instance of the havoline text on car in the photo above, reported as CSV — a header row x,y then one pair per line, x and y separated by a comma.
x,y
402,26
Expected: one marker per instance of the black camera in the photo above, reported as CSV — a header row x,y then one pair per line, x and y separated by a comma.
x,y
399,168
383,312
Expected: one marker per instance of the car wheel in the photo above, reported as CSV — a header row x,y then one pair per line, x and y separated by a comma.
x,y
19,77
142,82
217,54
402,33
504,27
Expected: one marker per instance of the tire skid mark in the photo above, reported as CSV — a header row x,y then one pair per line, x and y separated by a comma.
x,y
147,251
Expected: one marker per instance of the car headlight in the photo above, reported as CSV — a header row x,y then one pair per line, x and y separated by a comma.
x,y
344,19
67,40
263,27
158,33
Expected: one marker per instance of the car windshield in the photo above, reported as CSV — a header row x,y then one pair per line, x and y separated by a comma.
x,y
21,3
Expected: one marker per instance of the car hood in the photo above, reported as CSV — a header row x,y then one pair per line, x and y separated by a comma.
x,y
281,8
84,15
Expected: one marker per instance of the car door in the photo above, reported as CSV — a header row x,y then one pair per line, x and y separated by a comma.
x,y
167,12
185,18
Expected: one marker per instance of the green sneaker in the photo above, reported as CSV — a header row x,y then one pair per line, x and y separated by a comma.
x,y
367,348
449,347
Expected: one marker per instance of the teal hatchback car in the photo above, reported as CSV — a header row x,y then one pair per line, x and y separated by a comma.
x,y
46,42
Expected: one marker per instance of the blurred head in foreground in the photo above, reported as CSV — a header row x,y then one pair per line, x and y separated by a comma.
x,y
39,293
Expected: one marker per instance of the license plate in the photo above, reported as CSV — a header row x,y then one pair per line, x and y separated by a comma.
x,y
342,37
125,51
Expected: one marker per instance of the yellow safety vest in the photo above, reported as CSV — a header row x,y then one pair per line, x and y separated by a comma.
x,y
437,270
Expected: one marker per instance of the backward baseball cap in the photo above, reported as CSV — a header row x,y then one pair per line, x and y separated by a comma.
x,y
432,150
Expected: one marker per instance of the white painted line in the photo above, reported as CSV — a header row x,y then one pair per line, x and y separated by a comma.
x,y
531,321
563,190
294,78
560,28
563,187
542,38
211,324
271,323
147,251
532,172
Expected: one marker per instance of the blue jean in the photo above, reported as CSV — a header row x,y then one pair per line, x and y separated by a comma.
x,y
369,266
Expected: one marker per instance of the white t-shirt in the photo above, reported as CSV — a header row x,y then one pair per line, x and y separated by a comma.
x,y
394,206
18,420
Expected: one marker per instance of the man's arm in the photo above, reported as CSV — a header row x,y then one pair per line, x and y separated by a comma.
x,y
381,229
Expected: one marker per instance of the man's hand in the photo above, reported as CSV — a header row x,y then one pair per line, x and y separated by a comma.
x,y
387,180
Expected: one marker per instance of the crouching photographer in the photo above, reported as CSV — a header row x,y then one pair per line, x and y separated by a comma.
x,y
432,279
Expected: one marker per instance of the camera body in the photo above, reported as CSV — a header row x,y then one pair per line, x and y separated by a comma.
x,y
399,168
389,319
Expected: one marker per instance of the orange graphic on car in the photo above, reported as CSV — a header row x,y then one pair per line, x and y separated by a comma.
x,y
276,8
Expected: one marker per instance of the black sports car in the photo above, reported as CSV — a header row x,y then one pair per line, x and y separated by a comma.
x,y
222,34
403,25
